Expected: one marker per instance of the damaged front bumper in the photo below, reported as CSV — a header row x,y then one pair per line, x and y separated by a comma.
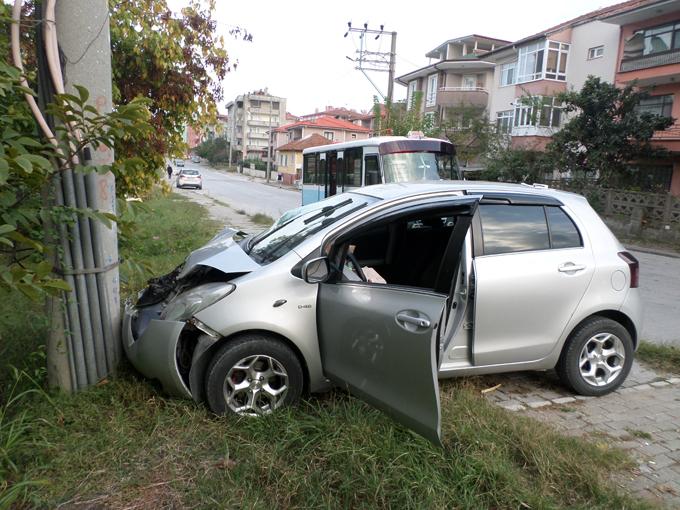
x,y
151,346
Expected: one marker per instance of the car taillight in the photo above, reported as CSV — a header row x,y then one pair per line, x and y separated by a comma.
x,y
634,267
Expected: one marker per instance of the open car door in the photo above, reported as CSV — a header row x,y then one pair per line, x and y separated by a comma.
x,y
381,341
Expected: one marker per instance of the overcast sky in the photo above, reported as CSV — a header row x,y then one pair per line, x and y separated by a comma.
x,y
299,52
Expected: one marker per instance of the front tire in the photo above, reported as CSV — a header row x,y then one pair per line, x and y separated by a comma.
x,y
597,357
253,375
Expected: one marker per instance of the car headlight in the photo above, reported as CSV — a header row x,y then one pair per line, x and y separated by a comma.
x,y
191,302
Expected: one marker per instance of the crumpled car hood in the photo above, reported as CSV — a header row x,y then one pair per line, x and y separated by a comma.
x,y
221,253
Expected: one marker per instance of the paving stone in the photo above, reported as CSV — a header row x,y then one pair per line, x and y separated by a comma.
x,y
535,404
674,380
661,462
516,406
660,384
564,400
641,387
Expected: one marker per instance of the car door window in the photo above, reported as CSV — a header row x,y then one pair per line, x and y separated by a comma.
x,y
563,231
406,252
513,228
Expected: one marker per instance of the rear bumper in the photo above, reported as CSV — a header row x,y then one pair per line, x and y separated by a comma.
x,y
153,349
632,307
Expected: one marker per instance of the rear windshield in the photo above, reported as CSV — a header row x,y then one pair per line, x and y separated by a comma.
x,y
189,172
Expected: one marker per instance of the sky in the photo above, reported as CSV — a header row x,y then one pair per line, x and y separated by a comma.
x,y
298,50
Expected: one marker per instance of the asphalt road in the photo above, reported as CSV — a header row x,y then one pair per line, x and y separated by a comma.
x,y
242,193
660,289
659,275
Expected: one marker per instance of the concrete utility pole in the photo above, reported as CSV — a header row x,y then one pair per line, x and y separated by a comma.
x,y
94,332
269,140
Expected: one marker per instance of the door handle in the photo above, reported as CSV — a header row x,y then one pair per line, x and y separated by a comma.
x,y
416,321
570,267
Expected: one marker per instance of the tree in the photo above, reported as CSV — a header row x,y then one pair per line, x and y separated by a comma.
x,y
469,129
176,62
606,133
401,118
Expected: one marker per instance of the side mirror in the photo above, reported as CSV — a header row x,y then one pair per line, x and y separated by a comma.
x,y
316,270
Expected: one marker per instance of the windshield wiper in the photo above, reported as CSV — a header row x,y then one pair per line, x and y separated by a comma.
x,y
325,211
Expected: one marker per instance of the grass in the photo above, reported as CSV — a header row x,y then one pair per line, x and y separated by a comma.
x,y
123,444
640,434
262,219
661,357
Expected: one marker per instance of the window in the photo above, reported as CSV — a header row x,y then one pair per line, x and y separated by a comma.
x,y
410,97
469,82
596,52
531,62
309,169
431,90
328,134
537,111
660,39
284,159
420,239
275,105
353,168
508,74
563,232
657,105
372,171
542,60
353,136
556,63
504,121
513,228
518,228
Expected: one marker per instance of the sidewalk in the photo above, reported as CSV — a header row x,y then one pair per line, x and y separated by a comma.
x,y
642,417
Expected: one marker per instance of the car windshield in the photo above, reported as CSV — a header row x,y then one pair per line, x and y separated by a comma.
x,y
417,166
189,172
298,224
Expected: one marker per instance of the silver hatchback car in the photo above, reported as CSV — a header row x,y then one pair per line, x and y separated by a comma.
x,y
385,289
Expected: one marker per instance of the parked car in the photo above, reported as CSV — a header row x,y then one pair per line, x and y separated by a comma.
x,y
179,162
195,159
472,278
189,179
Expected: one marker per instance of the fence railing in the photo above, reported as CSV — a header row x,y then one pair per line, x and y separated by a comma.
x,y
658,209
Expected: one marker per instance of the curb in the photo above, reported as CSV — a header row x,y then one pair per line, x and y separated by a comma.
x,y
652,251
515,405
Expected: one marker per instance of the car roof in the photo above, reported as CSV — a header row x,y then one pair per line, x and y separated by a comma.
x,y
396,191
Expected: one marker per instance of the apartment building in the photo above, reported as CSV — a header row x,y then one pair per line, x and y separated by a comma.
x,y
649,55
531,72
252,119
458,74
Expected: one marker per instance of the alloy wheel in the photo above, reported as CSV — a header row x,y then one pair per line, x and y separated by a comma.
x,y
602,359
256,385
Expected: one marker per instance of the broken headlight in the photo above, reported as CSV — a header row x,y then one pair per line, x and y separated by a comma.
x,y
189,303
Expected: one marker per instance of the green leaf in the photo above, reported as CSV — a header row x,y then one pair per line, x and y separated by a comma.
x,y
25,163
5,229
57,284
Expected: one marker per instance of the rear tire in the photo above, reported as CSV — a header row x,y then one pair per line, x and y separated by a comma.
x,y
597,357
253,375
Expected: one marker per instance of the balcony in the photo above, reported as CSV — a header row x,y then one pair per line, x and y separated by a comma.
x,y
455,96
647,61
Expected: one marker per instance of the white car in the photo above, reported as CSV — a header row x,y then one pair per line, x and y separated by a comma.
x,y
472,278
189,178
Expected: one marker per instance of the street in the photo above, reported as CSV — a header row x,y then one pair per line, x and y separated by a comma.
x,y
660,288
243,193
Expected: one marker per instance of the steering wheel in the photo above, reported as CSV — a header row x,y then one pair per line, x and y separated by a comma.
x,y
357,267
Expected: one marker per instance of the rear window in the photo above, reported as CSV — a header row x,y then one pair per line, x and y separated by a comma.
x,y
189,172
517,228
